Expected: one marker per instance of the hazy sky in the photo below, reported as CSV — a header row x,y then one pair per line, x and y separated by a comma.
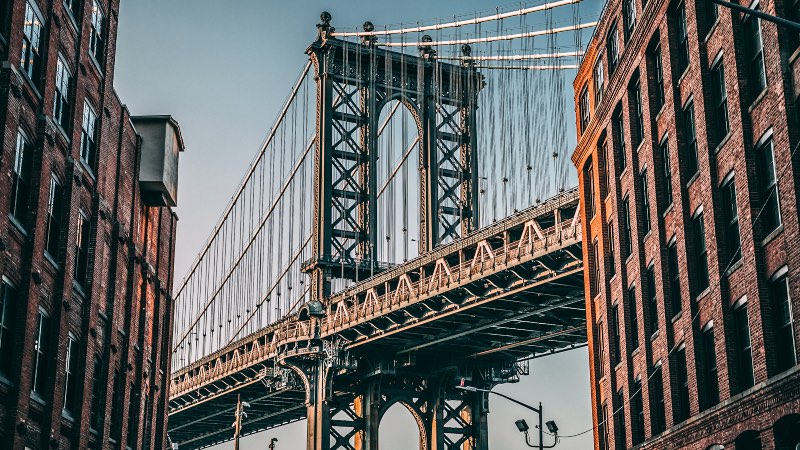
x,y
223,69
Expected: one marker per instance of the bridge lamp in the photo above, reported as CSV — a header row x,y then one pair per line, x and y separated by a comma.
x,y
522,426
551,426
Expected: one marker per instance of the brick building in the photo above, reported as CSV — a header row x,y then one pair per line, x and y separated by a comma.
x,y
86,237
688,168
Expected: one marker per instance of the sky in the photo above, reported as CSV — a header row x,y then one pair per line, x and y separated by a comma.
x,y
223,69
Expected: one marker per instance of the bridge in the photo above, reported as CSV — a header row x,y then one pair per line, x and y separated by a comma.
x,y
329,291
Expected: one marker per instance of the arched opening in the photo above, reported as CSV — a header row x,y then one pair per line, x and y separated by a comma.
x,y
748,440
398,430
398,183
787,432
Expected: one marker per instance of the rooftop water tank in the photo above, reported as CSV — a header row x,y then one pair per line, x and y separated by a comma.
x,y
158,171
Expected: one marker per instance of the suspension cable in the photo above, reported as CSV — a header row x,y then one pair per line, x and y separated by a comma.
x,y
460,23
483,40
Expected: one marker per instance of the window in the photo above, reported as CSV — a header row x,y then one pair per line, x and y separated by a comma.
x,y
768,187
645,202
599,81
637,412
720,99
619,421
794,16
612,257
607,168
20,177
55,203
114,420
31,60
674,279
682,32
652,299
783,329
636,98
588,180
82,249
97,408
96,40
614,326
628,18
712,14
604,428
73,6
730,215
7,320
700,253
40,349
71,376
658,421
743,351
601,345
658,68
133,417
754,56
595,268
634,318
612,49
664,147
690,139
626,216
61,98
682,380
619,126
710,382
89,135
584,108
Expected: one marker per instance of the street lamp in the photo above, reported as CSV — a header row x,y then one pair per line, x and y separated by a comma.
x,y
272,443
522,426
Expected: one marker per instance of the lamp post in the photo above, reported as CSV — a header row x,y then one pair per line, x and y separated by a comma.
x,y
272,443
522,426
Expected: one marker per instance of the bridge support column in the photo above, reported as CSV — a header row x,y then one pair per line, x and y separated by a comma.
x,y
459,423
318,413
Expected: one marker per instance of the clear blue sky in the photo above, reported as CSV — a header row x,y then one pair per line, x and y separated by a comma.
x,y
223,70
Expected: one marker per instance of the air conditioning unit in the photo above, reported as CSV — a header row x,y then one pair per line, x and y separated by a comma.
x,y
158,170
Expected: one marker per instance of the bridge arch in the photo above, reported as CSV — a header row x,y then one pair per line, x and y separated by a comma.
x,y
400,195
399,422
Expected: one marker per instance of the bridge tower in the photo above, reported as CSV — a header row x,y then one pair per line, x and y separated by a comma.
x,y
355,81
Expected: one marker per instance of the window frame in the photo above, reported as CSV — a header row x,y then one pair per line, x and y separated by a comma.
x,y
710,393
61,96
658,68
682,38
634,317
40,350
89,135
690,139
783,326
21,177
71,374
599,80
54,215
8,299
719,91
584,108
32,29
646,222
768,186
754,55
674,278
744,350
97,41
666,162
700,251
652,299
81,264
730,219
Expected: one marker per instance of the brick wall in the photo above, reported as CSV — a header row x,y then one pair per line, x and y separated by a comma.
x,y
752,118
121,315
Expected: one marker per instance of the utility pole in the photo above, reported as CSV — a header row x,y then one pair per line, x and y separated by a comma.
x,y
237,425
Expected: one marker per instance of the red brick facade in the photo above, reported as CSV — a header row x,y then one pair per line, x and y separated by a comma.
x,y
707,324
78,246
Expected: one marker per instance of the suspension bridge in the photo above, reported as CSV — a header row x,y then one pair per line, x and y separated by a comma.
x,y
407,225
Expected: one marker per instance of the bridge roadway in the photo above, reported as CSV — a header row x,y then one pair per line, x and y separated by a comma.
x,y
471,309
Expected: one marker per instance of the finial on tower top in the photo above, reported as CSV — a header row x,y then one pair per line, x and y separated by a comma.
x,y
325,17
